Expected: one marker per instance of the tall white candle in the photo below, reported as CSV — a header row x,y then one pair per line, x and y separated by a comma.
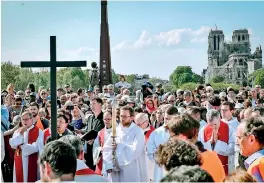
x,y
114,120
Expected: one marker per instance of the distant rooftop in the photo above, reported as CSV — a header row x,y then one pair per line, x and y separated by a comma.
x,y
240,31
216,31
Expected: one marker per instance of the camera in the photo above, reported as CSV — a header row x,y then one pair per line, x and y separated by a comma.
x,y
70,107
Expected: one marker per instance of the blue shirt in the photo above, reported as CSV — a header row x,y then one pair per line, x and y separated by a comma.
x,y
4,119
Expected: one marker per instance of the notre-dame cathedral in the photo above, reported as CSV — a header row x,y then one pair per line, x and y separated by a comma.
x,y
232,59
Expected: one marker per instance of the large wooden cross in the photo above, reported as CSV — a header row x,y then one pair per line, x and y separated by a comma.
x,y
53,64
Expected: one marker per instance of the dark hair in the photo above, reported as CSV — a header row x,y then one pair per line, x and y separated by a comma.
x,y
98,100
74,141
184,124
64,117
138,109
214,101
255,126
187,174
32,104
61,157
200,146
128,108
18,99
231,105
193,110
69,114
79,91
177,152
172,110
200,87
31,87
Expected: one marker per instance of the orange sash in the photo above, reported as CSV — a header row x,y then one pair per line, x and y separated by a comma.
x,y
32,159
39,123
99,165
223,135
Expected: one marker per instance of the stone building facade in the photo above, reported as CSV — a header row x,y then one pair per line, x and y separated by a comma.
x,y
232,59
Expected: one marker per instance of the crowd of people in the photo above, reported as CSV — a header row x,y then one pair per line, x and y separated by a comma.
x,y
181,136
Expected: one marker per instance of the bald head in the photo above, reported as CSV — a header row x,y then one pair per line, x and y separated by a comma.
x,y
142,120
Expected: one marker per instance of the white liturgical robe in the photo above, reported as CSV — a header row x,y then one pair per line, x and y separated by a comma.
x,y
233,159
97,149
130,155
27,149
157,137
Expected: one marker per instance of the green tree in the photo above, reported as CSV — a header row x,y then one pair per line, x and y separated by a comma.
x,y
9,74
184,74
115,77
25,77
217,79
257,77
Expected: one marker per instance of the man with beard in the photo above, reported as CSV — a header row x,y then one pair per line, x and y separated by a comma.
x,y
28,143
34,108
130,151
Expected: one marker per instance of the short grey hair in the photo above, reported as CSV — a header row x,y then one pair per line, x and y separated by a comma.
x,y
187,93
211,114
74,141
110,86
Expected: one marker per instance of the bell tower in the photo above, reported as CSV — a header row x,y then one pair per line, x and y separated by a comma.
x,y
105,56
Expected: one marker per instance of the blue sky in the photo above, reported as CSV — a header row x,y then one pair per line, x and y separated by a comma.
x,y
146,37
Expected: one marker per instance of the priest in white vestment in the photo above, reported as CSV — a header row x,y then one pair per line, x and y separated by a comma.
x,y
218,136
99,142
131,159
157,137
227,109
27,150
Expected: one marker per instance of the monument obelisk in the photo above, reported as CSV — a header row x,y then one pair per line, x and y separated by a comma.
x,y
105,73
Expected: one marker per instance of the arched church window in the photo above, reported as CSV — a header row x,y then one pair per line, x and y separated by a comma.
x,y
238,38
238,74
243,38
240,62
214,42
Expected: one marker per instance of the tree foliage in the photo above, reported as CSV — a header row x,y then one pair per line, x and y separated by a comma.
x,y
184,74
257,77
217,79
21,77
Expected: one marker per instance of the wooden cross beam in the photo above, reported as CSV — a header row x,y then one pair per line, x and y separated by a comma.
x,y
53,64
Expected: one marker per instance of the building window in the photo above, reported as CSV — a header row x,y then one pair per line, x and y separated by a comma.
x,y
214,42
218,41
238,38
243,38
240,62
238,74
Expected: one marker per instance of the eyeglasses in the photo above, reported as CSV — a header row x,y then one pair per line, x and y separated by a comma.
x,y
171,101
42,93
107,119
125,117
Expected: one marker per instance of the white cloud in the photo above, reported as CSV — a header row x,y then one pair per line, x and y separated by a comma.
x,y
169,38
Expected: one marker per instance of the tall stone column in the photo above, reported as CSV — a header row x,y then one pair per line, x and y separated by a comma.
x,y
105,74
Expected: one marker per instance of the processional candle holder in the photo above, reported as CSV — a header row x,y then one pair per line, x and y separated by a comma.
x,y
115,164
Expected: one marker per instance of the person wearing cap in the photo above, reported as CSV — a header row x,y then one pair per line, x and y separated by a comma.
x,y
68,88
159,90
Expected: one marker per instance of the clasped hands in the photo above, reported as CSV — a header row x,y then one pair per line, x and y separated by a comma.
x,y
214,136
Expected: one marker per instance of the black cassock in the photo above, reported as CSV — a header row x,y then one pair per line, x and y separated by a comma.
x,y
92,123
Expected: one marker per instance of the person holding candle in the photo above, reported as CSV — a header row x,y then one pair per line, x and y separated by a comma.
x,y
102,136
129,147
